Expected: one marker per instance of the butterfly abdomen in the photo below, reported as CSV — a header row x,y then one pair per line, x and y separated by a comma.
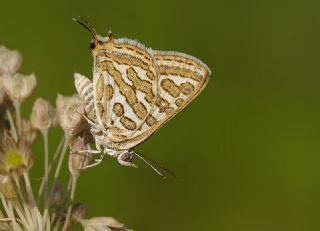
x,y
84,88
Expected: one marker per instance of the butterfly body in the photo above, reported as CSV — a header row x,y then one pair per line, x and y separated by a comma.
x,y
134,91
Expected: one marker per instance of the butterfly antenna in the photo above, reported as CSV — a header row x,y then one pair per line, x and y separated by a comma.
x,y
110,35
86,25
163,172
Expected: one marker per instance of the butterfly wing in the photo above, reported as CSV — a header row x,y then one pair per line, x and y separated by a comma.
x,y
137,90
181,78
125,87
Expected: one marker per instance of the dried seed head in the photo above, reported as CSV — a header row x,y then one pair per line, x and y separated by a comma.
x,y
57,198
78,161
15,158
70,111
43,115
79,212
2,92
10,61
28,132
8,187
19,87
102,224
62,103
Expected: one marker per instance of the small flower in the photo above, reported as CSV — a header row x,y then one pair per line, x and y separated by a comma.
x,y
70,111
78,161
102,224
28,132
79,212
15,158
19,87
43,115
8,187
10,61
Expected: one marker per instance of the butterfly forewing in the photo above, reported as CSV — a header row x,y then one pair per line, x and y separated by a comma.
x,y
125,86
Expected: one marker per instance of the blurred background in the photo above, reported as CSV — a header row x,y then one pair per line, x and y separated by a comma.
x,y
246,151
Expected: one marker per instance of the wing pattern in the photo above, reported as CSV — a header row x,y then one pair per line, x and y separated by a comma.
x,y
136,90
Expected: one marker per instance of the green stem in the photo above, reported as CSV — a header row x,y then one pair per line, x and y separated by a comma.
x,y
56,175
55,156
75,178
12,125
17,108
46,162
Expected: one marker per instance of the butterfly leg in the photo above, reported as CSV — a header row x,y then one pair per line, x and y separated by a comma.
x,y
96,162
92,151
100,159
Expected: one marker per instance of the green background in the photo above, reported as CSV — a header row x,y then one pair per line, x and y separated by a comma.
x,y
246,151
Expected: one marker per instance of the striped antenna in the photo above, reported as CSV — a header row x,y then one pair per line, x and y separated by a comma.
x,y
86,25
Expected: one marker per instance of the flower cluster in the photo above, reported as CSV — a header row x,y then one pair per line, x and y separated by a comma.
x,y
53,207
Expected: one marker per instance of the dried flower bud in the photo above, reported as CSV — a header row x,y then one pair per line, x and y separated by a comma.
x,y
28,132
2,93
19,87
79,212
102,224
10,61
62,103
15,158
70,112
43,115
8,187
57,197
78,161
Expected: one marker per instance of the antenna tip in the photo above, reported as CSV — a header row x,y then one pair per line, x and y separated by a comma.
x,y
76,19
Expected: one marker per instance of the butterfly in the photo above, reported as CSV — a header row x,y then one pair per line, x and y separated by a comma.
x,y
135,90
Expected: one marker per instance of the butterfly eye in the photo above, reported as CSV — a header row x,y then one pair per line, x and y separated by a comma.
x,y
92,46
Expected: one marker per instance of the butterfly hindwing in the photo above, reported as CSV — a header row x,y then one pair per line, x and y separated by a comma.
x,y
181,78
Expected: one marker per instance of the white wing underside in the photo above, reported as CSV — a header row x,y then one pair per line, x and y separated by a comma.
x,y
177,79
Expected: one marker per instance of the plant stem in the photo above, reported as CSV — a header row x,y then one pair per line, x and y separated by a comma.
x,y
12,125
63,153
56,175
34,207
55,156
75,178
23,218
4,204
17,105
11,216
26,208
46,162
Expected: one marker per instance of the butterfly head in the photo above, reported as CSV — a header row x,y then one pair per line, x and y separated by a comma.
x,y
125,158
96,40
